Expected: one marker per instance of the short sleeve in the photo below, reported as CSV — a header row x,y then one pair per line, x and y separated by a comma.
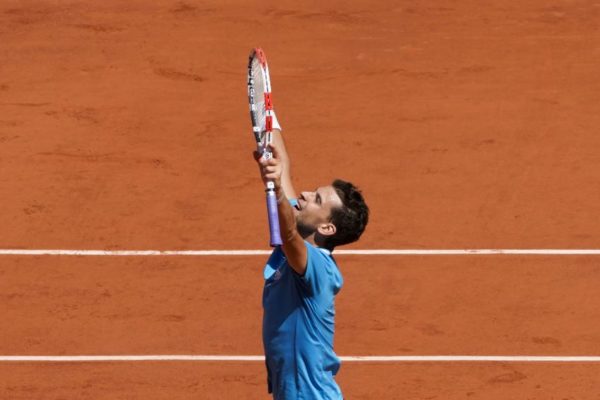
x,y
321,273
275,260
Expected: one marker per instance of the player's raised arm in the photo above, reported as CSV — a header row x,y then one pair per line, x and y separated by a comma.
x,y
286,173
292,242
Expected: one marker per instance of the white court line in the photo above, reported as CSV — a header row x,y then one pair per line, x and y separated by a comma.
x,y
388,252
240,358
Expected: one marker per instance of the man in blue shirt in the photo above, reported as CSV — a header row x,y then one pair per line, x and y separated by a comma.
x,y
302,279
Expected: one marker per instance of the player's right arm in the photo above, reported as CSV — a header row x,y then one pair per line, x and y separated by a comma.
x,y
293,244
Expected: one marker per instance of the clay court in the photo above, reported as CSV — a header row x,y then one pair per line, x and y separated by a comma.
x,y
468,125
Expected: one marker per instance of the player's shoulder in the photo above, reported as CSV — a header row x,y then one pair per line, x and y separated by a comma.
x,y
322,258
326,268
319,253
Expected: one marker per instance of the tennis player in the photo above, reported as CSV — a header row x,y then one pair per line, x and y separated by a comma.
x,y
302,279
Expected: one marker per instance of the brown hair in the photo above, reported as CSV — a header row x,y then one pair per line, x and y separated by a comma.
x,y
351,218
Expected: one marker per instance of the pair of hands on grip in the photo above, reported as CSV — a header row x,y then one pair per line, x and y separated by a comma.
x,y
271,169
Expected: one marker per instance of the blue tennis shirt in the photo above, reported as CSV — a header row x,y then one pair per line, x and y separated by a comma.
x,y
298,326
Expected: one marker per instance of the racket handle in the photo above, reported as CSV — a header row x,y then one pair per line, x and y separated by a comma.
x,y
273,216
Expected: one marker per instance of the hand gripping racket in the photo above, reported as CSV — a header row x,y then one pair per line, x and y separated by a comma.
x,y
261,115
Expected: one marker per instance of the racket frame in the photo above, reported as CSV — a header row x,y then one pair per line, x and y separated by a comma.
x,y
263,140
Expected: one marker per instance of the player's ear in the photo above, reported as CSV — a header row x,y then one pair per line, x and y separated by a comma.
x,y
327,229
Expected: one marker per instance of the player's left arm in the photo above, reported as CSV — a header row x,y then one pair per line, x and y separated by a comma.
x,y
293,244
286,165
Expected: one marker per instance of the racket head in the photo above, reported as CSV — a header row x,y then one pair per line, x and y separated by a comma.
x,y
259,98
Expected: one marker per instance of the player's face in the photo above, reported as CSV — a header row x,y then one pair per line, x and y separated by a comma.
x,y
314,208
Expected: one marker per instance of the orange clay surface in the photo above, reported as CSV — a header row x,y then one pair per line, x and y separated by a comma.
x,y
123,125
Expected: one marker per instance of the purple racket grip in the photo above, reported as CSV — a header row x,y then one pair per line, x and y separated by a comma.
x,y
273,218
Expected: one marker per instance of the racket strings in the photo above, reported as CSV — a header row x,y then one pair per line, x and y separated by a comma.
x,y
259,86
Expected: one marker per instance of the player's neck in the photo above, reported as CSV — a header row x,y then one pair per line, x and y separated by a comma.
x,y
316,240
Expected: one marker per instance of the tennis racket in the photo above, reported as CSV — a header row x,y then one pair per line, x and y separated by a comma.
x,y
261,115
